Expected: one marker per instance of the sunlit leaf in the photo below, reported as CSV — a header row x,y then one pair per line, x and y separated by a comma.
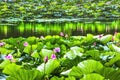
x,y
114,48
25,75
10,68
74,52
49,67
105,39
92,76
46,52
4,64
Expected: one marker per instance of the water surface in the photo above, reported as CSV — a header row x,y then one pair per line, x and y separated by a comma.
x,y
49,28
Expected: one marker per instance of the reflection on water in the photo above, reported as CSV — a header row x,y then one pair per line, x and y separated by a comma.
x,y
71,28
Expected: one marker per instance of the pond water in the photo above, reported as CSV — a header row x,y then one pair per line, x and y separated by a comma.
x,y
49,28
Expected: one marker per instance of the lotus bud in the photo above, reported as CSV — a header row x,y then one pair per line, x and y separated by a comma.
x,y
53,56
46,59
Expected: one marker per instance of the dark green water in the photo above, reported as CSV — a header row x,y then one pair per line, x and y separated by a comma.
x,y
70,28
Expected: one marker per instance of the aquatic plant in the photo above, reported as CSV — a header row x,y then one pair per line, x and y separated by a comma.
x,y
76,57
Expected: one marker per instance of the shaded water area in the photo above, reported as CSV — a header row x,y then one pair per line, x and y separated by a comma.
x,y
49,28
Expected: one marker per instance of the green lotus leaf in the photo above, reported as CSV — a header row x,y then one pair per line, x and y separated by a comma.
x,y
46,52
57,78
70,78
94,54
108,55
92,76
114,48
5,51
110,73
69,63
89,66
113,60
35,54
4,64
22,74
27,49
74,52
86,67
11,68
105,39
32,40
49,67
88,40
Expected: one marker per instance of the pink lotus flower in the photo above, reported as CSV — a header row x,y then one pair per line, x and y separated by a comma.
x,y
61,34
46,59
53,56
9,56
2,43
25,44
57,49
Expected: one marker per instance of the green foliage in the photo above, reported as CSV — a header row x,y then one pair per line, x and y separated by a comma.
x,y
110,73
84,61
74,52
93,77
114,48
28,10
25,75
45,52
4,64
94,54
85,68
49,67
106,39
32,40
11,68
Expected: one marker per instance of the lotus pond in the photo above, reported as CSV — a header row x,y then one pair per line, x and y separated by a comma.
x,y
71,49
39,9
61,57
